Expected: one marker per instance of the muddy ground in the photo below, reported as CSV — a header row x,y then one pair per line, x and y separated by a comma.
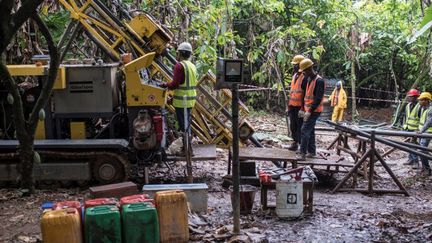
x,y
340,217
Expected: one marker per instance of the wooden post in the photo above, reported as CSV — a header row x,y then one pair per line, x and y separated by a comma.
x,y
371,164
235,161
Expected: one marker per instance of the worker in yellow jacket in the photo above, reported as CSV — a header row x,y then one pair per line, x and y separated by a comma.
x,y
338,99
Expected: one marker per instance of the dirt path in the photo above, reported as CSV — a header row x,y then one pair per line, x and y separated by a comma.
x,y
341,217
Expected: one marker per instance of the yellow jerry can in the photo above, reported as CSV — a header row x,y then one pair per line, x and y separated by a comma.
x,y
61,226
173,216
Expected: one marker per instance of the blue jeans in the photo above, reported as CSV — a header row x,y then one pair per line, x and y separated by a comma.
x,y
180,118
308,134
411,156
425,162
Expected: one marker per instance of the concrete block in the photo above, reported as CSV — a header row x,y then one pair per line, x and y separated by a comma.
x,y
116,190
196,193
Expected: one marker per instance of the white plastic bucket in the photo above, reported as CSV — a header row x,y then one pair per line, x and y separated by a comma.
x,y
289,199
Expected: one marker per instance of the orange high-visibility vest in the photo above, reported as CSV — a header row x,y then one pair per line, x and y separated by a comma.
x,y
309,96
296,91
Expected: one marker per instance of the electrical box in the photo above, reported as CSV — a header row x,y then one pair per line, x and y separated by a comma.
x,y
90,89
228,72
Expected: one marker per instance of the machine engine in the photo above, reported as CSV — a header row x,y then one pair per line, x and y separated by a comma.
x,y
144,135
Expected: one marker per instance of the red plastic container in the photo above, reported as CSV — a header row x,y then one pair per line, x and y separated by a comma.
x,y
100,201
136,199
265,177
68,204
157,121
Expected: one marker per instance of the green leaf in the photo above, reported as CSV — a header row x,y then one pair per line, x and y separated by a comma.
x,y
427,17
425,25
281,57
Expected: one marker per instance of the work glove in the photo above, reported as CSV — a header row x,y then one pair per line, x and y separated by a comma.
x,y
163,85
170,100
306,116
301,113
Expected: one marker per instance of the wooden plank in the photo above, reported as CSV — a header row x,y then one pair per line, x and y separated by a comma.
x,y
201,152
325,162
269,154
378,191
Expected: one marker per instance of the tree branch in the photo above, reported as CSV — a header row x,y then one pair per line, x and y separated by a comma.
x,y
18,113
27,9
52,72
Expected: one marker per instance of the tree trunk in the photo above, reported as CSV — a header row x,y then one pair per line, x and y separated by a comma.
x,y
353,89
26,155
353,52
184,25
393,75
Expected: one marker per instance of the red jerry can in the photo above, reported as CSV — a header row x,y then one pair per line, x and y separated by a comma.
x,y
100,201
136,199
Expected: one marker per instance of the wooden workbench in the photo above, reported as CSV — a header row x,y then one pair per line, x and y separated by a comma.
x,y
266,154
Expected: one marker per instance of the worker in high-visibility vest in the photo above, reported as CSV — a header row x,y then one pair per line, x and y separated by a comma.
x,y
425,125
295,103
311,108
411,121
184,86
338,100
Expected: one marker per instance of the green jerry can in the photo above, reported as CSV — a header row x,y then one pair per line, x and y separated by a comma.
x,y
140,223
102,224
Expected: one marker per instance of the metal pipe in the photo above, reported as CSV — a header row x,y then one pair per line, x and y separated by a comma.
x,y
400,147
411,145
378,139
398,133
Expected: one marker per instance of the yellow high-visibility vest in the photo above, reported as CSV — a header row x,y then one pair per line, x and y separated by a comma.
x,y
188,87
412,118
423,118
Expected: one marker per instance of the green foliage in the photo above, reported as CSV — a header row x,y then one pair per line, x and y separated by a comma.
x,y
374,36
56,23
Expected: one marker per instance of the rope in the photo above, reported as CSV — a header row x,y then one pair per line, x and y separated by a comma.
x,y
254,87
257,88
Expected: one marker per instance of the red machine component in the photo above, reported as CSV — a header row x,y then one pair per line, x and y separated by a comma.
x,y
158,125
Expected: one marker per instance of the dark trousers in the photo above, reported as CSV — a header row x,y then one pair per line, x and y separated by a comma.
x,y
425,162
180,118
296,123
308,134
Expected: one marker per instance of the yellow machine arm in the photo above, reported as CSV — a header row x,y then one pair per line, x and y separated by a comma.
x,y
143,35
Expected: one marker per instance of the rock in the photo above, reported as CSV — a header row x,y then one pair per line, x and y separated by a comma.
x,y
16,218
336,226
196,231
24,238
240,238
283,138
194,219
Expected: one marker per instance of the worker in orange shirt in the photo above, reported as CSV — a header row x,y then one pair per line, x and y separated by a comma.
x,y
311,109
295,103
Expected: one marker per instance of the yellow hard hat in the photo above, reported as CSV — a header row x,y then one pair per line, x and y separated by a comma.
x,y
425,95
297,59
305,64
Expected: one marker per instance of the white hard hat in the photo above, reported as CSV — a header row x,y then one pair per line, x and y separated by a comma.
x,y
185,46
